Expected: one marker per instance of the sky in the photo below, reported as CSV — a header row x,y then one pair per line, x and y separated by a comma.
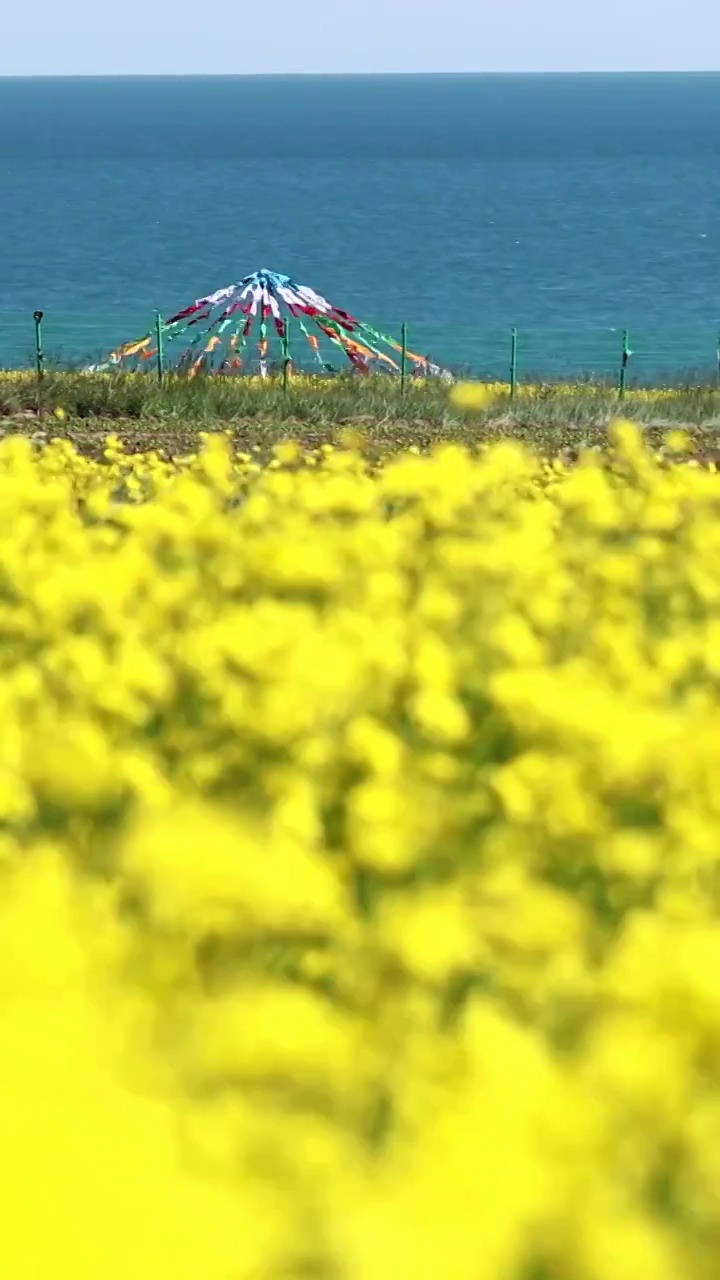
x,y
166,37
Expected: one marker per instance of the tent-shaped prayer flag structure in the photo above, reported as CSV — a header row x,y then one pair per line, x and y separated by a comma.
x,y
248,327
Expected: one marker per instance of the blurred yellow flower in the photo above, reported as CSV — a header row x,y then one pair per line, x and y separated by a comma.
x,y
678,441
359,848
473,396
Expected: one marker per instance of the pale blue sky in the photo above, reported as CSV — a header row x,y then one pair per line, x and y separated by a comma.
x,y
89,37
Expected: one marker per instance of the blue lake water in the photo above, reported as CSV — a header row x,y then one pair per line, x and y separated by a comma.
x,y
569,206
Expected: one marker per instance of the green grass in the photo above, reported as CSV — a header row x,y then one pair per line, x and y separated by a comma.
x,y
343,398
145,415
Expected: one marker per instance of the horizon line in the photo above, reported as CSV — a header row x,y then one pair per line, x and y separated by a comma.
x,y
345,75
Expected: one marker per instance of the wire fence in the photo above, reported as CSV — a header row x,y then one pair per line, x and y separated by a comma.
x,y
638,356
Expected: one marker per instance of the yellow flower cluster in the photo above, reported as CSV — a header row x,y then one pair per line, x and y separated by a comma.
x,y
474,396
359,853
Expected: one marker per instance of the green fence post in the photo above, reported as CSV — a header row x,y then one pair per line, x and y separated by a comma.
x,y
403,358
626,354
718,357
286,354
160,352
513,363
39,353
39,357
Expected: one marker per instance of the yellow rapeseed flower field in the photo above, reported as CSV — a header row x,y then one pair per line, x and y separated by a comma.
x,y
359,848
